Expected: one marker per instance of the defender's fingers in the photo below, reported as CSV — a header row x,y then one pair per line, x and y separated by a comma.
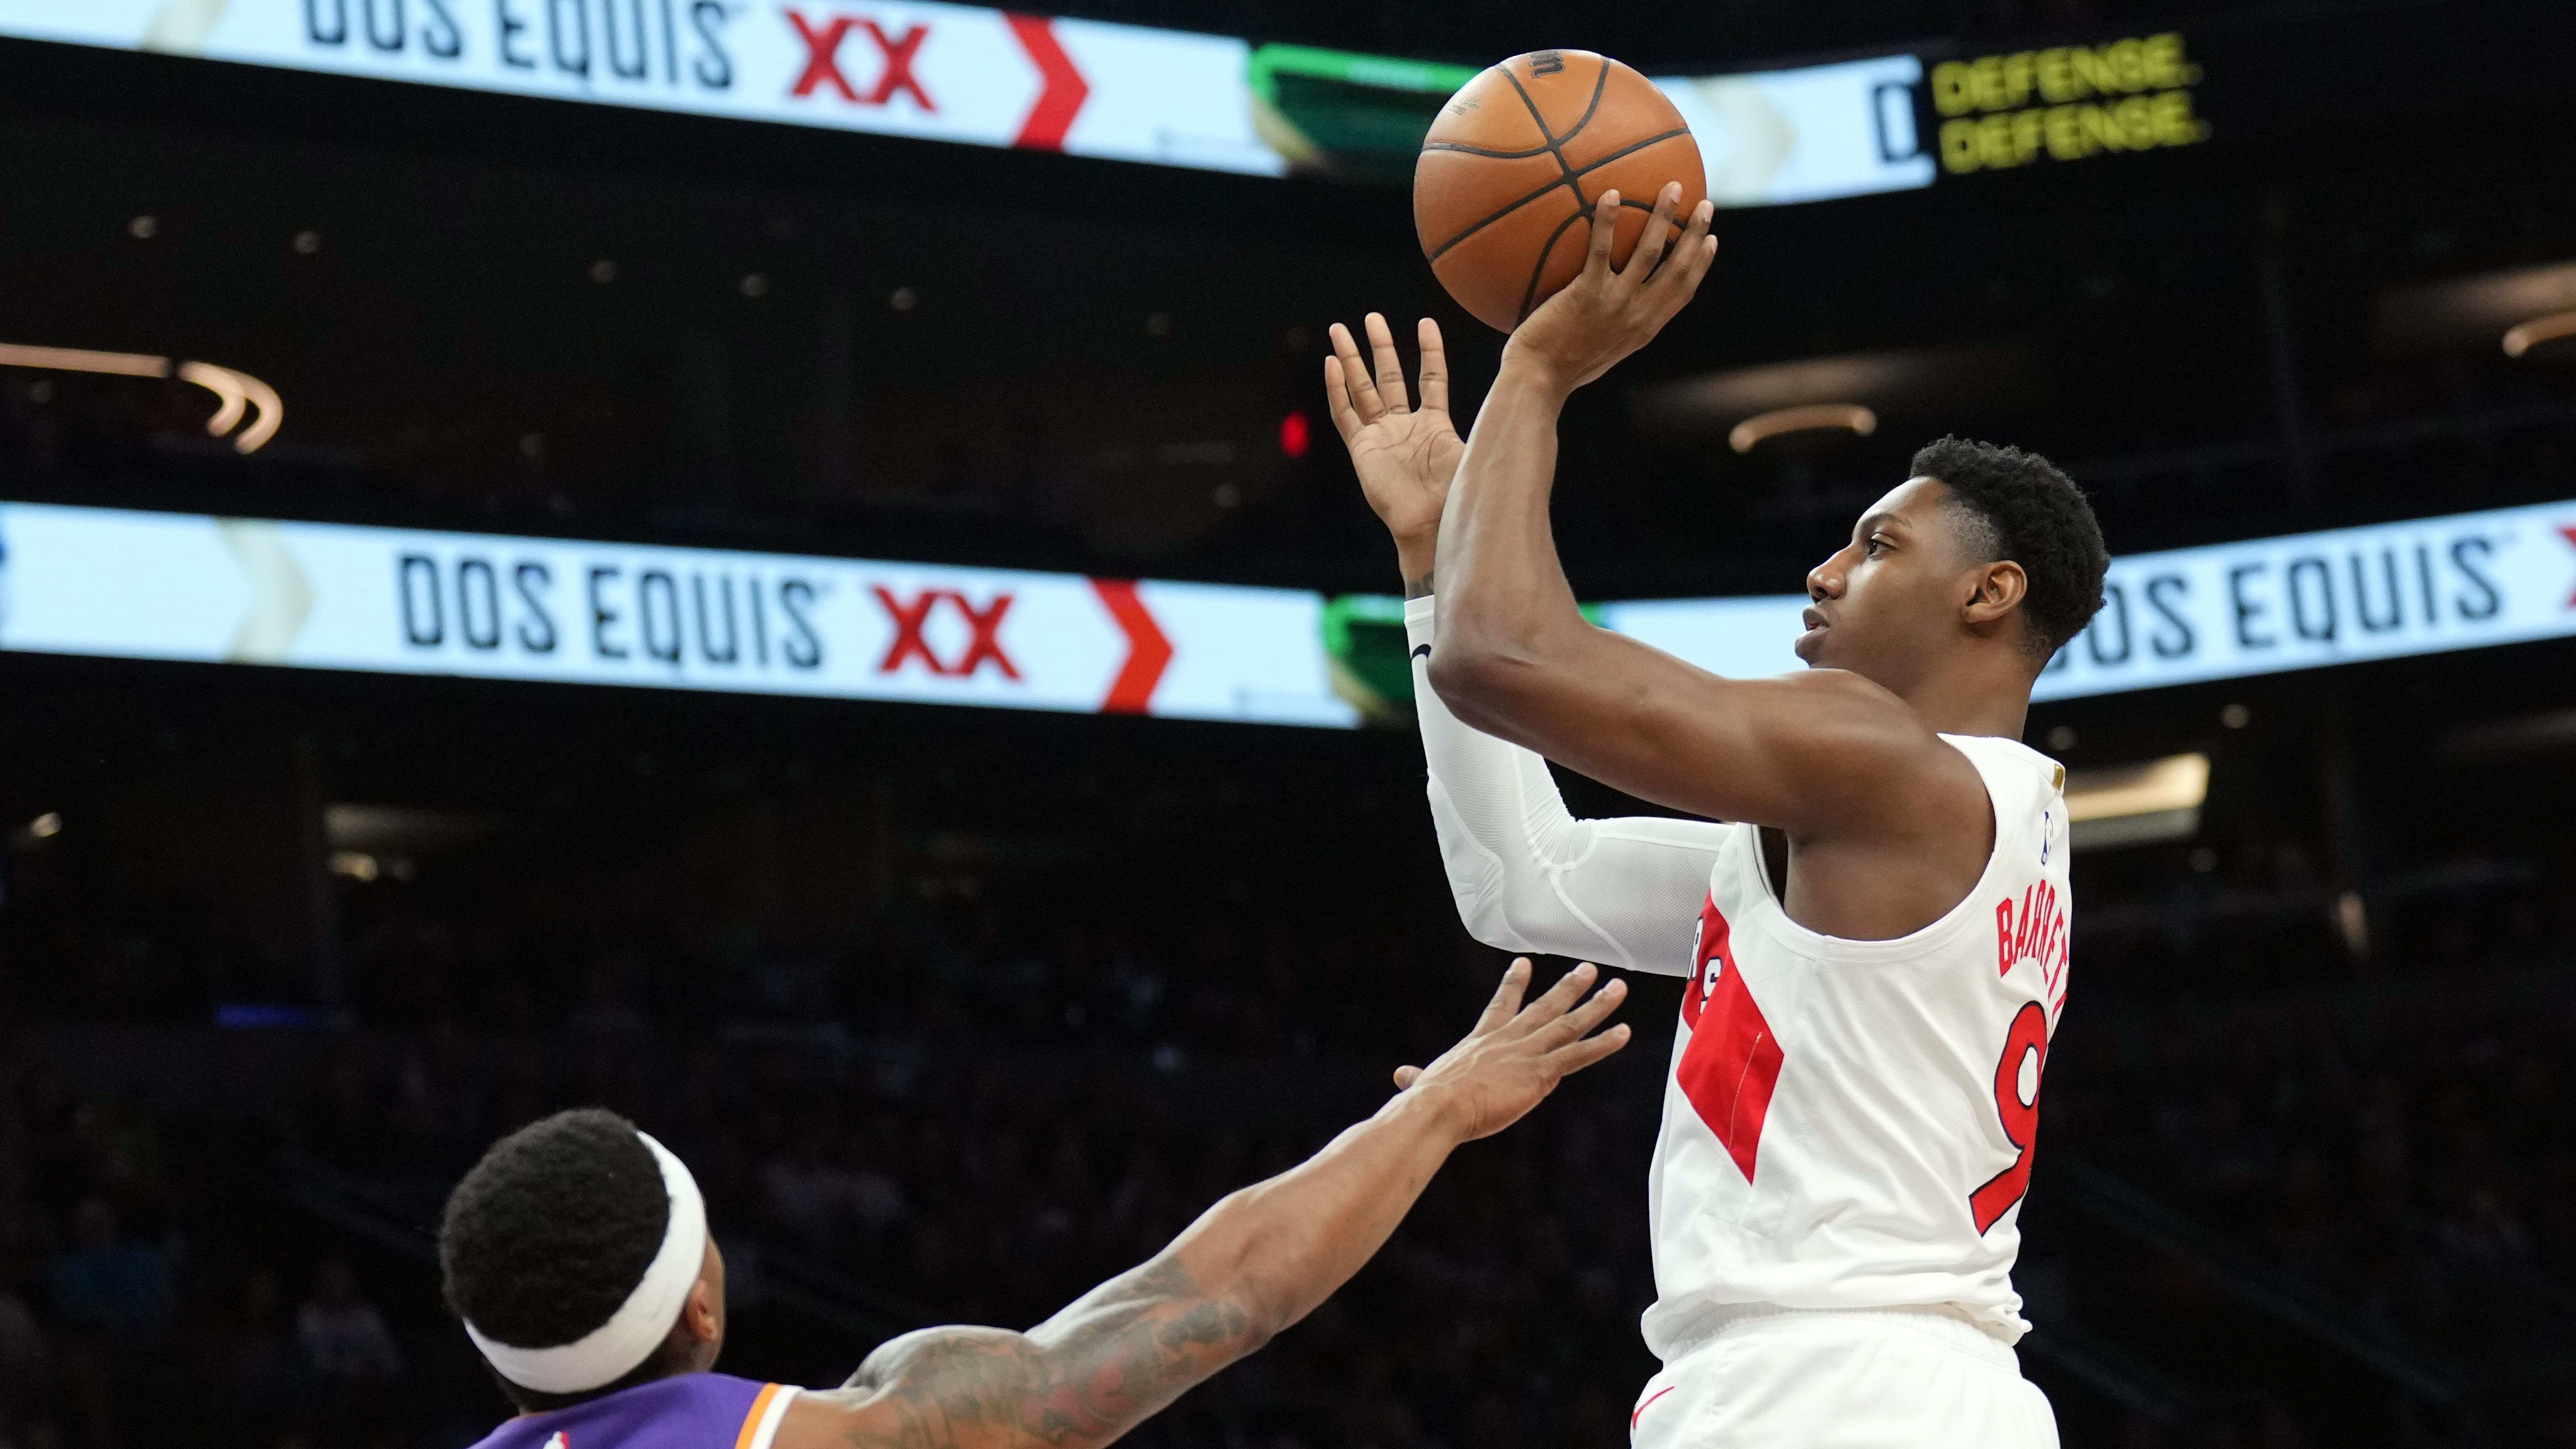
x,y
1658,235
1566,1061
1364,398
1406,1077
1390,368
1507,997
1435,367
1579,1022
1337,401
1559,999
1605,230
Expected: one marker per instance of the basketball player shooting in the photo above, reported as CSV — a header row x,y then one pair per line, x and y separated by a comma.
x,y
1876,945
578,1255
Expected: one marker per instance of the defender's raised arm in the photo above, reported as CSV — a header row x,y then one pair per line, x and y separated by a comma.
x,y
1252,1265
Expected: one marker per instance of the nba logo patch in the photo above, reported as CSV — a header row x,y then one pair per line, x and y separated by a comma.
x,y
558,1441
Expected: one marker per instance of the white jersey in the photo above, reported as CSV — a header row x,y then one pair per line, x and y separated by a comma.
x,y
1847,1124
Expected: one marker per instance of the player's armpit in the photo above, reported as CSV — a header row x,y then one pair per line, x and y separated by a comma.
x,y
1083,1378
1820,754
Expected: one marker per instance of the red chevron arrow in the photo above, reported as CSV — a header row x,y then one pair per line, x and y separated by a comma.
x,y
1148,651
1065,90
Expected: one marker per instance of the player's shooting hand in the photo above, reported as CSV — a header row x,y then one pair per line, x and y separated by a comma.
x,y
1608,312
1517,1054
1405,454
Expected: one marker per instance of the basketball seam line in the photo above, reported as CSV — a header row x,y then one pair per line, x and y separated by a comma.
x,y
1556,143
1544,252
1485,151
1485,222
1518,203
1632,148
1556,149
1490,152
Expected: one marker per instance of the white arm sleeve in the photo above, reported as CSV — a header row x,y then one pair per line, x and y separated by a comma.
x,y
1528,876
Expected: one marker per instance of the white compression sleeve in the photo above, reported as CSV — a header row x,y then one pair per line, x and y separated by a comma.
x,y
1527,875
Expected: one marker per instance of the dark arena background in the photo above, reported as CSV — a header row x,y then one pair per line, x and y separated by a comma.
x,y
843,632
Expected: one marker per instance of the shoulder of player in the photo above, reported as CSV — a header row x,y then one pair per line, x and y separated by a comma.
x,y
1857,719
1857,733
874,1417
950,1387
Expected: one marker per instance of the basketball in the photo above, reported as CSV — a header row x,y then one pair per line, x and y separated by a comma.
x,y
1513,164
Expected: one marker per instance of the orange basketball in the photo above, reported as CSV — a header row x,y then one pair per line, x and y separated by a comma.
x,y
1515,161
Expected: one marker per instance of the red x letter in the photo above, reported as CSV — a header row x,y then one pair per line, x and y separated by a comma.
x,y
898,54
987,626
907,629
823,54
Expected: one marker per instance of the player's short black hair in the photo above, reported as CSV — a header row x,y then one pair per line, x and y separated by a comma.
x,y
549,1233
2029,512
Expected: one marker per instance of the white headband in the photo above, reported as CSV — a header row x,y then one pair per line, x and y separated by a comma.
x,y
611,1351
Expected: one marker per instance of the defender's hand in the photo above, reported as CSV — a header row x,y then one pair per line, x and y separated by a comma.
x,y
1517,1055
1405,455
1606,313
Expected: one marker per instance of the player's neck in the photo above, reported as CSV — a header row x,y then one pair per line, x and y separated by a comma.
x,y
1973,701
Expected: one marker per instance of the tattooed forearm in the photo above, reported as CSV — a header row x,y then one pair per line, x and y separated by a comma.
x,y
1259,1260
1082,1378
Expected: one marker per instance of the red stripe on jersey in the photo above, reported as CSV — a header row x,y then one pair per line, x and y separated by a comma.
x,y
1733,1062
1648,1404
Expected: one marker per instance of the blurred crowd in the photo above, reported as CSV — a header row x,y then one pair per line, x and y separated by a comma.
x,y
950,1117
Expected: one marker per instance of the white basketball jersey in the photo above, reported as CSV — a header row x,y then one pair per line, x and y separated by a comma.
x,y
1851,1124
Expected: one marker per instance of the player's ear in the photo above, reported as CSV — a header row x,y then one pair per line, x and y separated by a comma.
x,y
702,1316
1999,589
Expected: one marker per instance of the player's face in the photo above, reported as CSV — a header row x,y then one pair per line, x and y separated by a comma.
x,y
1884,603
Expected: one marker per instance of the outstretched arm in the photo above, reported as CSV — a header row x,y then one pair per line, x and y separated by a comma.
x,y
1252,1265
1526,874
1515,658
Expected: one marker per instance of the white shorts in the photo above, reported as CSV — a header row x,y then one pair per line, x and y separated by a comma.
x,y
1898,1378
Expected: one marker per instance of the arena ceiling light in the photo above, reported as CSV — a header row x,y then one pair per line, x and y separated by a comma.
x,y
1773,398
1751,433
237,394
2136,804
2524,336
2470,311
2550,732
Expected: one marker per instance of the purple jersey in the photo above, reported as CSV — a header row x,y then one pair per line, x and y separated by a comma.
x,y
693,1411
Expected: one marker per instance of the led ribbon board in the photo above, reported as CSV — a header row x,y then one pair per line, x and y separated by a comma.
x,y
995,78
2230,610
398,601
113,583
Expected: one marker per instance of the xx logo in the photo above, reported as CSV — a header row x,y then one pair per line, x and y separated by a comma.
x,y
823,60
984,628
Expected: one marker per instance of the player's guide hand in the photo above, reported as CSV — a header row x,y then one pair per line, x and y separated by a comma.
x,y
1405,455
1517,1054
1606,313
